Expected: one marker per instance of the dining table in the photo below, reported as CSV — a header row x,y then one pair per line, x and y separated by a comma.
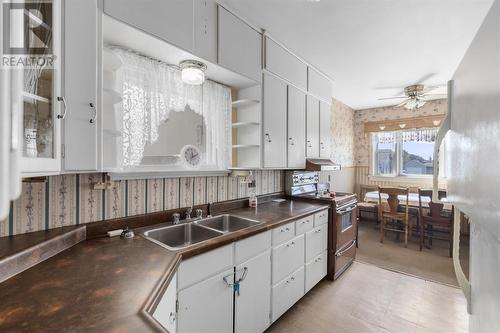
x,y
413,202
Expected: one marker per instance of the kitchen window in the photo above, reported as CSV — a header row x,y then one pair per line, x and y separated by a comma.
x,y
405,153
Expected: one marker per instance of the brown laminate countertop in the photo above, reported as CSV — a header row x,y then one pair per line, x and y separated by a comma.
x,y
10,245
105,284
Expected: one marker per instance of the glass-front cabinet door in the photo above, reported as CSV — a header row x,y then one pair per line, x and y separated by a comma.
x,y
43,107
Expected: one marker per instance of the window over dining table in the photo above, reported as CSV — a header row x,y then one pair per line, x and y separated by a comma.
x,y
405,153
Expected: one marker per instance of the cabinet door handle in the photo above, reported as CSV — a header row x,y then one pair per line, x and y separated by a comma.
x,y
318,231
94,115
291,141
63,100
171,317
268,136
290,244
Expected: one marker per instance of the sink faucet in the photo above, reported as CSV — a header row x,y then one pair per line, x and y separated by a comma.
x,y
188,213
176,217
199,214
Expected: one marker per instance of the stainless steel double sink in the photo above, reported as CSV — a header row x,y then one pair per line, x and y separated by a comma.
x,y
180,236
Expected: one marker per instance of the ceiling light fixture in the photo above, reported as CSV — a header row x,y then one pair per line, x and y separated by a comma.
x,y
402,125
436,122
192,72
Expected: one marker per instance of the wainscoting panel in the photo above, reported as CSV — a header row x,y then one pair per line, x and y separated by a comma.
x,y
71,199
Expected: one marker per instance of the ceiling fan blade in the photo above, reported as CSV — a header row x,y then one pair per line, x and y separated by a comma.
x,y
425,78
397,97
439,89
403,103
435,96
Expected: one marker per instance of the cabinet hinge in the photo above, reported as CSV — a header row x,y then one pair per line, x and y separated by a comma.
x,y
176,306
63,150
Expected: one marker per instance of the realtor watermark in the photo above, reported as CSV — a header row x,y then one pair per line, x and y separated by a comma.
x,y
27,33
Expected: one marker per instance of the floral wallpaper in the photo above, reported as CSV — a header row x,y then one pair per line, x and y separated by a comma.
x,y
342,127
361,141
70,199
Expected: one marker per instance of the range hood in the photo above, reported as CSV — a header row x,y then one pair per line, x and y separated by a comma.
x,y
321,164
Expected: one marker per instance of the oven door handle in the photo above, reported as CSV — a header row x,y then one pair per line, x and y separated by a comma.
x,y
341,252
347,210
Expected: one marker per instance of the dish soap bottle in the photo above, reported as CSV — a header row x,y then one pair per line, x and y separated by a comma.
x,y
252,200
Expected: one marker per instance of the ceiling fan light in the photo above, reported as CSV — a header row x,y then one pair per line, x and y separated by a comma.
x,y
192,72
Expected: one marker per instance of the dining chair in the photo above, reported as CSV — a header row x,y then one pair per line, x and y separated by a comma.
x,y
395,212
434,222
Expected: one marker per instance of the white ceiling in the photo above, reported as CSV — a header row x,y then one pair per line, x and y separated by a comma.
x,y
369,45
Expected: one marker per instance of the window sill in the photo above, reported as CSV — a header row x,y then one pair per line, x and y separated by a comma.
x,y
405,179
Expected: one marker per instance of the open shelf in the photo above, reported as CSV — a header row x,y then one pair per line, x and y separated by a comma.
x,y
111,97
112,133
241,103
245,146
32,98
244,124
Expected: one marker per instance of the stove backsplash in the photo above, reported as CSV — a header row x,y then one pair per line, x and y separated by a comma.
x,y
70,199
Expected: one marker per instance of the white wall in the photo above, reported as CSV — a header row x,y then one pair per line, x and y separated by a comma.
x,y
474,180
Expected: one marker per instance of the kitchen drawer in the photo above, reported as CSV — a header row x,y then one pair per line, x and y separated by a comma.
x,y
200,267
287,292
315,270
303,225
316,241
252,246
287,257
344,258
283,233
321,218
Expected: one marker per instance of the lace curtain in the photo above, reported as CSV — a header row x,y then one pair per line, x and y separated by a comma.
x,y
151,89
416,135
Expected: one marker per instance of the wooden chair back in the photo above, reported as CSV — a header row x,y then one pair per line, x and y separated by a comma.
x,y
435,208
393,194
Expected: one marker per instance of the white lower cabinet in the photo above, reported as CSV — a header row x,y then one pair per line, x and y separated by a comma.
x,y
316,270
165,312
287,257
273,269
287,292
208,305
316,242
252,306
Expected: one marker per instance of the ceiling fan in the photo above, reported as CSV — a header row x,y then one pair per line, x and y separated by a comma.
x,y
416,95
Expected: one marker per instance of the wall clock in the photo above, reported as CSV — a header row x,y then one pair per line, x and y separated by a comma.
x,y
191,156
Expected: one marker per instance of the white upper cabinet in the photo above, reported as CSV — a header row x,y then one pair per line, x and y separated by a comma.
x,y
296,128
312,130
318,85
239,46
325,136
205,29
80,86
41,101
285,65
170,20
275,123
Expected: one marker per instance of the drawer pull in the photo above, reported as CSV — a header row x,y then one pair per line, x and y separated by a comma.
x,y
341,253
317,259
285,229
290,244
318,231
